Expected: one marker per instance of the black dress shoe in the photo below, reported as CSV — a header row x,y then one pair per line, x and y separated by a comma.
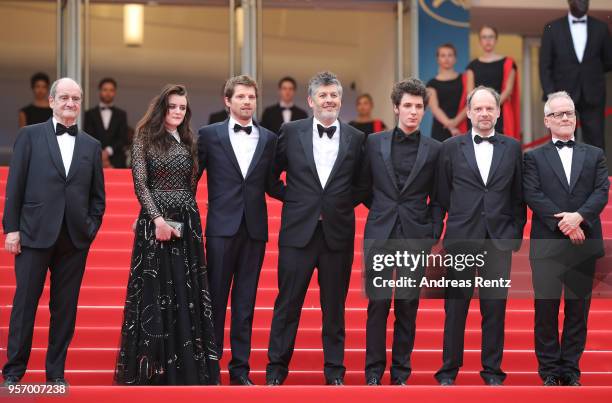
x,y
399,382
57,381
336,382
242,380
493,382
373,381
273,382
551,381
570,381
446,381
10,380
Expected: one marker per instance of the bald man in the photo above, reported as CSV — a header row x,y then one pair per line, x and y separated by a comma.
x,y
54,206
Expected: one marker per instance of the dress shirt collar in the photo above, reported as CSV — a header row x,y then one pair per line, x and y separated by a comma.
x,y
316,122
555,139
571,18
233,122
401,136
490,134
284,105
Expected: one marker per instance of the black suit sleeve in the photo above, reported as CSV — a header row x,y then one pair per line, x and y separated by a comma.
x,y
281,151
201,152
88,124
607,51
597,201
274,185
435,207
97,197
266,119
520,211
362,192
16,182
541,204
546,61
121,134
444,179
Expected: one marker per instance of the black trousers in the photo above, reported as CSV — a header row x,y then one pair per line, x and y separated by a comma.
x,y
493,311
550,278
67,265
295,269
235,263
592,123
405,307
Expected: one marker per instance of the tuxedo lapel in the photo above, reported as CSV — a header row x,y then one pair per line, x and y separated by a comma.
x,y
54,150
261,145
305,135
589,39
421,157
499,148
226,144
567,35
552,156
78,144
467,147
345,141
386,139
578,156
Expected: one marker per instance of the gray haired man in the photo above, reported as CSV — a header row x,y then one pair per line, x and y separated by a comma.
x,y
321,157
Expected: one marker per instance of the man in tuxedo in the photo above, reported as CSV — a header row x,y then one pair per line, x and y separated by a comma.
x,y
238,156
480,185
566,186
108,124
53,209
397,179
321,157
575,54
284,111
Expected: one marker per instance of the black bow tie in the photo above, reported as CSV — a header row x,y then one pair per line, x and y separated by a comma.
x,y
61,129
579,21
329,130
247,129
105,108
560,144
479,139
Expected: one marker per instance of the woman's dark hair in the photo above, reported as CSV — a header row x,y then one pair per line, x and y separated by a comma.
x,y
39,77
152,133
491,28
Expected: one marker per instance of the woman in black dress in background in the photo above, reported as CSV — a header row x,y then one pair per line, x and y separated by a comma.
x,y
500,73
364,121
38,111
167,333
447,96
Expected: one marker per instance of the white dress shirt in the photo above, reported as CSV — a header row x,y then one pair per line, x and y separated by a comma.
x,y
286,111
566,154
325,150
244,144
484,156
579,35
66,146
106,115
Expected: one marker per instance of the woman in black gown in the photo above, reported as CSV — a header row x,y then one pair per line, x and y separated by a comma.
x,y
488,70
39,110
446,92
167,333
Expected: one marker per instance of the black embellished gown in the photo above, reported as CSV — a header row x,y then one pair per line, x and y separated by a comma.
x,y
167,335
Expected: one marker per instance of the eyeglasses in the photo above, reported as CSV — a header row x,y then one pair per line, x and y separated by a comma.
x,y
559,115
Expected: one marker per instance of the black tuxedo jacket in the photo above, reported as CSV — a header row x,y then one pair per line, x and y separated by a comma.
x,y
548,193
230,196
272,118
476,210
116,136
379,190
39,194
305,198
559,66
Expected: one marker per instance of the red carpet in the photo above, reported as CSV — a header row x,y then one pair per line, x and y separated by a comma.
x,y
92,354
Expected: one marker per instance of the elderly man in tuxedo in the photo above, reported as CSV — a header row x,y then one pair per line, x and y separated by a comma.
x,y
480,185
321,157
575,54
54,205
397,179
566,186
238,156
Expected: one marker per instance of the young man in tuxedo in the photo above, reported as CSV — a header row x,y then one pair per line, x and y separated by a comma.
x,y
54,205
397,179
575,54
321,157
480,185
108,124
238,156
285,110
566,186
